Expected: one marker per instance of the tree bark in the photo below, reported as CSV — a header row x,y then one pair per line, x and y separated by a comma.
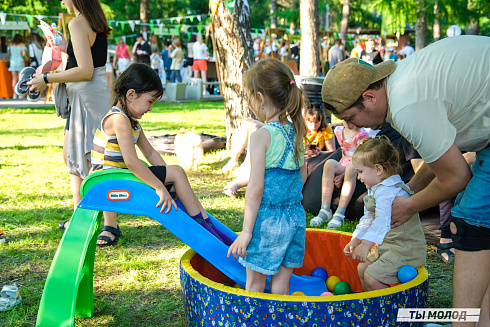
x,y
344,23
421,26
310,53
473,28
273,13
145,13
233,50
436,28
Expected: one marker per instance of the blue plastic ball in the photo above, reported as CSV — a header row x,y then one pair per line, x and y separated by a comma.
x,y
320,272
407,273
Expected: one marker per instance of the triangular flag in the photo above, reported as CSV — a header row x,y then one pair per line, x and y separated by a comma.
x,y
199,29
122,25
39,17
145,35
171,20
131,24
117,39
29,19
124,38
178,20
256,31
189,35
192,19
152,27
16,18
2,17
199,17
158,21
137,21
117,23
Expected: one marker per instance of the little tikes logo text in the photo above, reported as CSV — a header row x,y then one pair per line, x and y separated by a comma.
x,y
118,195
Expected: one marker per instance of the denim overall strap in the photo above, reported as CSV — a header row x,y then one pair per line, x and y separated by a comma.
x,y
289,143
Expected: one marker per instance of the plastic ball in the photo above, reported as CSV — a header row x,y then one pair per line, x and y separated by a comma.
x,y
238,286
226,284
342,288
298,293
331,282
326,294
320,272
407,273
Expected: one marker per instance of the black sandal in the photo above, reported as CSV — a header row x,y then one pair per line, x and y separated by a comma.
x,y
61,226
110,242
445,248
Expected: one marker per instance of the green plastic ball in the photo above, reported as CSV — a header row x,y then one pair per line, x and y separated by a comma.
x,y
342,288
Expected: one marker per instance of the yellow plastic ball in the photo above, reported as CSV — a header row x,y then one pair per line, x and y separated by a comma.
x,y
298,293
238,286
331,282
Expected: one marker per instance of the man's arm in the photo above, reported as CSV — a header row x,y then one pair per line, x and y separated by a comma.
x,y
451,176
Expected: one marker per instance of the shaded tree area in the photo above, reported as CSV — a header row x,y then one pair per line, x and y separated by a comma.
x,y
232,42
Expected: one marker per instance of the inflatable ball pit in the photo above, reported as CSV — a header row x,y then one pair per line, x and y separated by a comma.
x,y
210,303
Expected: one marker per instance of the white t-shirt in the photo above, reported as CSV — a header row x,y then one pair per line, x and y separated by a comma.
x,y
34,51
407,50
441,95
199,50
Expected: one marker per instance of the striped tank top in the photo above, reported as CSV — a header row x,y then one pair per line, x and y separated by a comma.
x,y
106,153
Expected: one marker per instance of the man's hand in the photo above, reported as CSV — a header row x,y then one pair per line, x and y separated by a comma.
x,y
401,211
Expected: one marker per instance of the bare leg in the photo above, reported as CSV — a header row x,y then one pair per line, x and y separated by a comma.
x,y
331,169
485,310
204,79
196,74
15,79
372,284
280,281
255,281
348,187
361,268
110,219
176,174
471,281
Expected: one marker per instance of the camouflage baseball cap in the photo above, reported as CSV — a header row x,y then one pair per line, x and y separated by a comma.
x,y
346,81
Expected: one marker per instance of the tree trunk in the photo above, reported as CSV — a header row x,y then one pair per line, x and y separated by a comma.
x,y
145,13
473,28
273,13
436,28
310,53
344,23
421,26
233,50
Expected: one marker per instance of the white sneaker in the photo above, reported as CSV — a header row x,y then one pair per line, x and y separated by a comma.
x,y
336,221
320,219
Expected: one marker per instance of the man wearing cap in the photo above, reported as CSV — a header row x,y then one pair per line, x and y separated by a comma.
x,y
142,49
439,100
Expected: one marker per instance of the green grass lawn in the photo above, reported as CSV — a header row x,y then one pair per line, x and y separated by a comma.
x,y
137,282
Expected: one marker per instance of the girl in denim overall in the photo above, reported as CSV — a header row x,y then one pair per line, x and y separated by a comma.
x,y
272,241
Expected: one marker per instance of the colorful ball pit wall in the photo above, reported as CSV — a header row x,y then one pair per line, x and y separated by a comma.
x,y
209,303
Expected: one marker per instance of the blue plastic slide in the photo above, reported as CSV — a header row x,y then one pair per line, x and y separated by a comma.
x,y
120,191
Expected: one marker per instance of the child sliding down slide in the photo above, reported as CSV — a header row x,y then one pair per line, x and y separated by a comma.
x,y
52,58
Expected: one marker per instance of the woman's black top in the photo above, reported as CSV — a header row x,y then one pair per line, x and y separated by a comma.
x,y
98,49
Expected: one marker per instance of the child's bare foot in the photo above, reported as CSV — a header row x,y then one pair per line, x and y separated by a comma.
x,y
231,190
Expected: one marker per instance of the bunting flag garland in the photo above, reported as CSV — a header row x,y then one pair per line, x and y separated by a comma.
x,y
2,17
131,24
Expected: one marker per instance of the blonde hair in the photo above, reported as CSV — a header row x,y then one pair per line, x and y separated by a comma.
x,y
274,79
378,150
176,43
